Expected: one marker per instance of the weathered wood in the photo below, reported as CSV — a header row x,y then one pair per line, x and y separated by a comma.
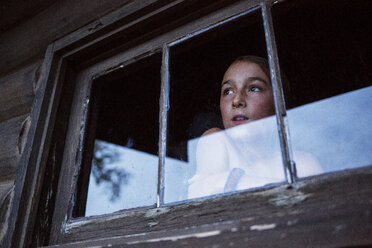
x,y
6,195
128,12
184,25
331,210
29,167
21,43
70,167
11,137
17,91
17,11
257,217
5,187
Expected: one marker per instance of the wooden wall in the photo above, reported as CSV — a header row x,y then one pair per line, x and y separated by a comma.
x,y
26,29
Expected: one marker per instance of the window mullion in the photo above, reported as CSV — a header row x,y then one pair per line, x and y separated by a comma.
x,y
281,114
164,106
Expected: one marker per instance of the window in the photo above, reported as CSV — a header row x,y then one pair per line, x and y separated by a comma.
x,y
124,112
123,136
92,111
330,79
197,66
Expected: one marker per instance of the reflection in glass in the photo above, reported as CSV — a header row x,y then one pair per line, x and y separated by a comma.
x,y
103,171
337,131
118,175
238,158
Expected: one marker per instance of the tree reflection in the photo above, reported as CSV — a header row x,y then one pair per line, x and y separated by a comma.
x,y
104,157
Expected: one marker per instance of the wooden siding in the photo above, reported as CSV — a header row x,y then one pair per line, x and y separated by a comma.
x,y
11,148
30,38
26,29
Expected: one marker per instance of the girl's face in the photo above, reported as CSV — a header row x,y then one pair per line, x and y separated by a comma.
x,y
246,94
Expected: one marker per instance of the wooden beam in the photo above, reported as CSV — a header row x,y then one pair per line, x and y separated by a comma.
x,y
28,167
330,210
15,12
30,39
11,148
17,91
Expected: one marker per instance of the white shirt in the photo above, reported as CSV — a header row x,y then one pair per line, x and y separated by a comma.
x,y
250,152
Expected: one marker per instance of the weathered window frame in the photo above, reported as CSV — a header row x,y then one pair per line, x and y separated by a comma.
x,y
61,66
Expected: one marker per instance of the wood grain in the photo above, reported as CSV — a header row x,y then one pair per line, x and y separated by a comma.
x,y
331,210
17,91
10,151
19,44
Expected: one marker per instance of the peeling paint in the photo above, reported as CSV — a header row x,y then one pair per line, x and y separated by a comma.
x,y
262,227
292,222
6,204
96,26
175,238
152,213
338,228
79,222
152,224
247,219
289,198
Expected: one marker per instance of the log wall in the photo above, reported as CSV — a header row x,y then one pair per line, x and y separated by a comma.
x,y
26,29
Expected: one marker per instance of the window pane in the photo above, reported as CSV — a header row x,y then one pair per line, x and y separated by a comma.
x,y
123,138
324,48
240,156
336,131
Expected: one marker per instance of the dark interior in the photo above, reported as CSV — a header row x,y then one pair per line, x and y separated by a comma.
x,y
324,50
127,105
197,68
324,47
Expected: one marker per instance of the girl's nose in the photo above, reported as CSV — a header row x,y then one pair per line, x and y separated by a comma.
x,y
239,101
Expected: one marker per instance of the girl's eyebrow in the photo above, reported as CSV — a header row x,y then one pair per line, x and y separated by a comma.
x,y
250,79
226,82
258,79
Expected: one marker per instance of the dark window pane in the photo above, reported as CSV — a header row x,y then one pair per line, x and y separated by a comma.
x,y
122,141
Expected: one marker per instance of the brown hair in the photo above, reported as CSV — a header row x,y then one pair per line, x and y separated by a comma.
x,y
264,65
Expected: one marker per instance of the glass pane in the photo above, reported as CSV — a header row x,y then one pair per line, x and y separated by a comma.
x,y
238,158
240,154
122,138
336,131
324,49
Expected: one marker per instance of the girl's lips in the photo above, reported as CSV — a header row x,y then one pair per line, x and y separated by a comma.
x,y
239,119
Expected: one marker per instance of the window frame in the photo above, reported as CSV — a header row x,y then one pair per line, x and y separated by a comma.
x,y
57,70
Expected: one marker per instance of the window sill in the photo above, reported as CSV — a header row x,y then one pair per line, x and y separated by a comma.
x,y
328,210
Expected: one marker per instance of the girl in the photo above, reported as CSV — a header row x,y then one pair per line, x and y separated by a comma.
x,y
243,156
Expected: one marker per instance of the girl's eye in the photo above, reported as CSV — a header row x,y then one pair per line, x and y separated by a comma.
x,y
227,92
255,89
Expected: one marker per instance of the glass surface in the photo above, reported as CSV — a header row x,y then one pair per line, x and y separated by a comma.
x,y
325,52
122,139
121,178
335,132
238,158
